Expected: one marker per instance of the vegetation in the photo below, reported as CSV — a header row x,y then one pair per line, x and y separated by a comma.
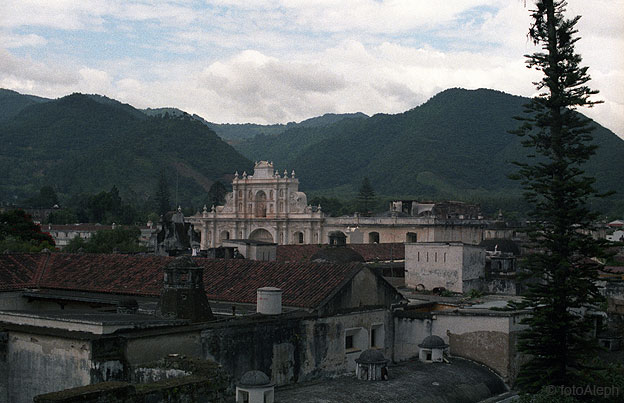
x,y
162,199
452,147
117,240
84,144
216,194
563,278
18,233
366,196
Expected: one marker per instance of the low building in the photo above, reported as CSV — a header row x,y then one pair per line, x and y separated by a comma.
x,y
452,266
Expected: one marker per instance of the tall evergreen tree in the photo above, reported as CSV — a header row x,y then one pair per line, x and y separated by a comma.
x,y
563,278
163,205
216,194
366,195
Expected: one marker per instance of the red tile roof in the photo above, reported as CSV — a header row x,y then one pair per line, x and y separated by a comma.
x,y
235,280
369,251
18,270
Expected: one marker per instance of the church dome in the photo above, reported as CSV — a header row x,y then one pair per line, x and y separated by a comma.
x,y
371,356
254,378
433,342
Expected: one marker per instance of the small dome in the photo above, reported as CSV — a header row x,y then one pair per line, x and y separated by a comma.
x,y
337,255
433,342
371,356
254,378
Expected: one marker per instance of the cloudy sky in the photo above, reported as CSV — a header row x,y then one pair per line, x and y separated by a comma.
x,y
275,61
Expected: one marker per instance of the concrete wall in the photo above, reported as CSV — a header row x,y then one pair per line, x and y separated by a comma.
x,y
454,266
467,337
141,350
39,364
292,350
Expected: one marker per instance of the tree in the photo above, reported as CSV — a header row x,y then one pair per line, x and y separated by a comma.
x,y
120,239
46,198
18,233
163,205
216,194
366,195
562,284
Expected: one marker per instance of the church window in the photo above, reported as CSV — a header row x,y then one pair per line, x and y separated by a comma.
x,y
240,193
281,192
436,257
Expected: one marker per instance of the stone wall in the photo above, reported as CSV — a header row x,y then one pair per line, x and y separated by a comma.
x,y
171,379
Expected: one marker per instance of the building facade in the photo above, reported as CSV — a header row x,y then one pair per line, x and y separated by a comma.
x,y
269,207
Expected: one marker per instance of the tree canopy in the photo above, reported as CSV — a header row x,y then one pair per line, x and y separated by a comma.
x,y
562,286
18,233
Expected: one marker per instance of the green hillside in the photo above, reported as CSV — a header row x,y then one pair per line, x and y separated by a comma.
x,y
12,103
84,144
456,145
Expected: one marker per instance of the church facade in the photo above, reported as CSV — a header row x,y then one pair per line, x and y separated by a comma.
x,y
265,206
269,207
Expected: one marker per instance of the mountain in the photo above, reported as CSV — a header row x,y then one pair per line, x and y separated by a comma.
x,y
85,143
12,103
456,145
236,132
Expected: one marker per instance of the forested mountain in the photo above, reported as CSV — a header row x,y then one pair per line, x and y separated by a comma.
x,y
236,132
456,145
11,103
82,143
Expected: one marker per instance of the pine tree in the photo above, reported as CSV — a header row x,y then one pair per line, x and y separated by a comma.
x,y
366,195
562,283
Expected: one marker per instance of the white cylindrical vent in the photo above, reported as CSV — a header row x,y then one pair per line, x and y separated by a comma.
x,y
269,301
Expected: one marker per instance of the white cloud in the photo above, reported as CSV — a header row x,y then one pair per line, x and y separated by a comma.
x,y
283,60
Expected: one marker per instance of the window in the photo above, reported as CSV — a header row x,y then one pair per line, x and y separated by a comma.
x,y
377,336
373,237
411,237
436,257
240,193
349,342
281,192
356,339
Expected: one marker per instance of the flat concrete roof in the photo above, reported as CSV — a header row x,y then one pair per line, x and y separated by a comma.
x,y
96,322
459,381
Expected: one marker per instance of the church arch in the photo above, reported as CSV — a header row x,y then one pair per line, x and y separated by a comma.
x,y
261,234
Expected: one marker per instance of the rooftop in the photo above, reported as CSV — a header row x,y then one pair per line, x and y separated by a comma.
x,y
459,381
304,284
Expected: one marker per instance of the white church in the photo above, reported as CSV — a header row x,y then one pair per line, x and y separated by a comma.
x,y
269,207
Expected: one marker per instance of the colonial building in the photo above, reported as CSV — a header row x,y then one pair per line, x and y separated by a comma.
x,y
265,206
269,207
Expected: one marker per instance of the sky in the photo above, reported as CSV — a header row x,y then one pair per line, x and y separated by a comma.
x,y
277,61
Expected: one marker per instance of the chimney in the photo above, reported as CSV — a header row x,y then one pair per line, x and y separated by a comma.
x,y
183,295
269,301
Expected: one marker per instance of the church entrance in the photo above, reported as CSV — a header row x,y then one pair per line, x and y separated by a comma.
x,y
261,234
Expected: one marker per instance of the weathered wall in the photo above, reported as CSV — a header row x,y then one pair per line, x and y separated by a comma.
x,y
292,350
38,364
365,289
179,390
141,350
408,333
454,266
